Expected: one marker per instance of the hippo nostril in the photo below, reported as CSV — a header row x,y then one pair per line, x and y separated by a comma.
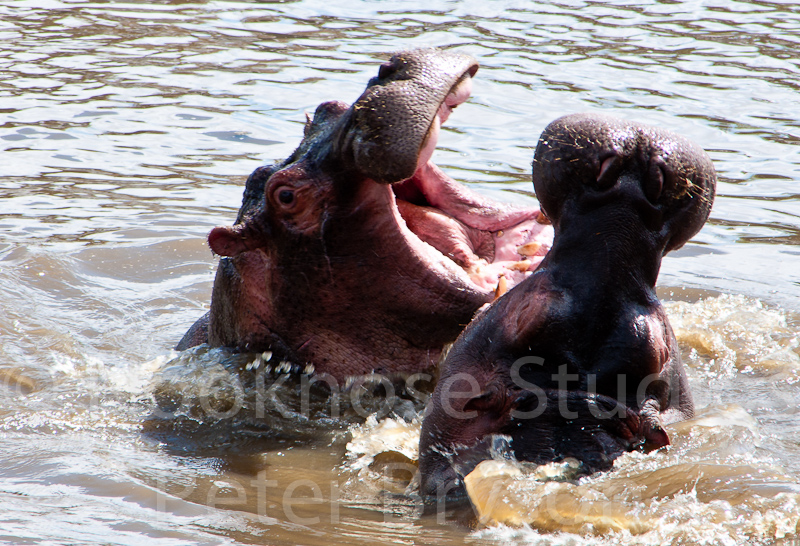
x,y
386,70
654,183
609,172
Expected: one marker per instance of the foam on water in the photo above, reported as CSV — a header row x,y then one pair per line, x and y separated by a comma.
x,y
736,332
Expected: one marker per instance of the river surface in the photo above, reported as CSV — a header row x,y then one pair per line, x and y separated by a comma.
x,y
126,132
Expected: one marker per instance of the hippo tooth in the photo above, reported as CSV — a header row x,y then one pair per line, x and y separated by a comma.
x,y
529,249
524,265
500,233
267,355
309,369
502,287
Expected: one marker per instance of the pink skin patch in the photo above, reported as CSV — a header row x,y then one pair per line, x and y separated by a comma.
x,y
490,241
519,250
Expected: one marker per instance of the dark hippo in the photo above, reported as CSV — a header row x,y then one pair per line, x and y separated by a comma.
x,y
357,254
579,360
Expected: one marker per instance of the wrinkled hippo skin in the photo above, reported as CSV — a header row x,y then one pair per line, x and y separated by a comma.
x,y
579,360
357,254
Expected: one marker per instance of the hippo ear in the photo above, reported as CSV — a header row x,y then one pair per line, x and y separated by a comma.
x,y
232,241
251,233
226,241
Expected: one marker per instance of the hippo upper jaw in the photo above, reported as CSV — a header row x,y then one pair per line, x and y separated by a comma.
x,y
489,243
480,236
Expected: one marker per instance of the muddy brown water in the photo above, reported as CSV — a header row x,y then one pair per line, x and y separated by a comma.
x,y
127,129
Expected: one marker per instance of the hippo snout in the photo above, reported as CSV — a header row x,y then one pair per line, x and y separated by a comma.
x,y
411,87
594,158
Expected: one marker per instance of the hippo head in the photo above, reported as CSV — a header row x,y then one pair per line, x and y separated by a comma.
x,y
578,360
357,254
585,162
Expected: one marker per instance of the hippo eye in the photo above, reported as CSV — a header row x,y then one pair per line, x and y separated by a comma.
x,y
284,195
488,400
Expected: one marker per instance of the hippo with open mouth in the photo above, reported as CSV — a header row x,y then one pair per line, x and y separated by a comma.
x,y
579,359
357,254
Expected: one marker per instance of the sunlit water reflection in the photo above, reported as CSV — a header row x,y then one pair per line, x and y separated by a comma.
x,y
126,132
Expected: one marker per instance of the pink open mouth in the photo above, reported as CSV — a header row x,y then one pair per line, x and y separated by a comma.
x,y
495,245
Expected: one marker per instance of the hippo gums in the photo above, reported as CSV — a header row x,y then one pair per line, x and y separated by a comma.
x,y
357,254
579,359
